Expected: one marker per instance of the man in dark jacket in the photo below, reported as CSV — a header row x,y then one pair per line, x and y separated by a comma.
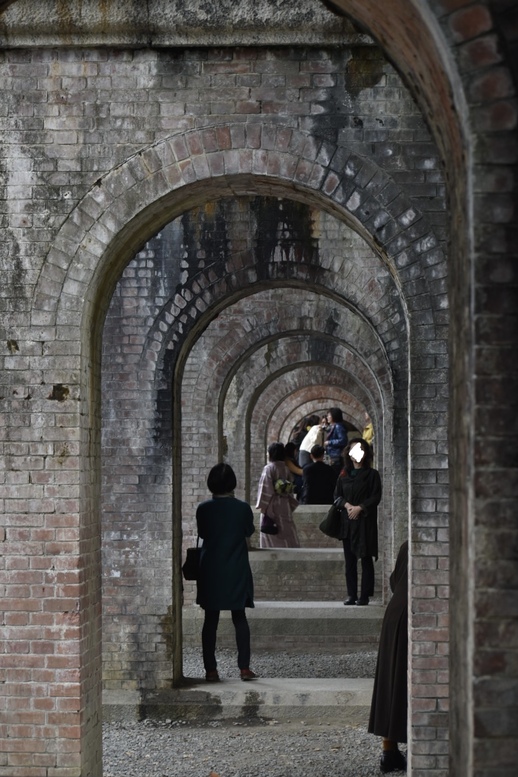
x,y
318,480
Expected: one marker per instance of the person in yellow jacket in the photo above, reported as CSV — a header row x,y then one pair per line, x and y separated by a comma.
x,y
368,430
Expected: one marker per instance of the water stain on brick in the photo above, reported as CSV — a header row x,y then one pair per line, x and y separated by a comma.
x,y
283,236
364,70
322,350
206,240
63,454
59,392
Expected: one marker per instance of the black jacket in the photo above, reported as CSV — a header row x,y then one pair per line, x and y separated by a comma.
x,y
361,487
388,715
318,484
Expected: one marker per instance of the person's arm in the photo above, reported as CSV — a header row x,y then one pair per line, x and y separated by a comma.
x,y
265,490
293,467
249,521
337,440
200,522
374,497
338,498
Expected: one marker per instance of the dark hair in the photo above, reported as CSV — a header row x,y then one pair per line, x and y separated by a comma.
x,y
311,420
289,449
367,459
317,451
221,479
276,451
336,414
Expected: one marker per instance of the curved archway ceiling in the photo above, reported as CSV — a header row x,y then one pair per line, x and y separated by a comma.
x,y
269,355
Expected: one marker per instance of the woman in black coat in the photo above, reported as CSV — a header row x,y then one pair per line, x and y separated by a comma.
x,y
225,577
358,494
388,715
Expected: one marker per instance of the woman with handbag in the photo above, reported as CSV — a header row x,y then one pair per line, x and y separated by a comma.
x,y
358,494
225,578
276,501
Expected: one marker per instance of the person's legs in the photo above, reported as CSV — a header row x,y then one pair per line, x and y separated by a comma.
x,y
351,571
367,584
242,638
208,639
304,458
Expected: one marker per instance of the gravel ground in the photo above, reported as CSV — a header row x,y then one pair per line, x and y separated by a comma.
x,y
259,749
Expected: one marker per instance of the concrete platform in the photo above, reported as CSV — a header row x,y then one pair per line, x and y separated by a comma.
x,y
295,625
322,700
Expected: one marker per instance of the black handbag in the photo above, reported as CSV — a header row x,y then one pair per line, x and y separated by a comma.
x,y
191,567
268,525
332,523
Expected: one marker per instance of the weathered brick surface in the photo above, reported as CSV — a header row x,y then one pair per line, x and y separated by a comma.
x,y
91,176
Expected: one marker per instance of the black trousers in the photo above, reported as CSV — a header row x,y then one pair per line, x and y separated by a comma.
x,y
208,639
351,573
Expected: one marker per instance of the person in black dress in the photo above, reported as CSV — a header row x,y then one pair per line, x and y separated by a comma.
x,y
388,714
358,493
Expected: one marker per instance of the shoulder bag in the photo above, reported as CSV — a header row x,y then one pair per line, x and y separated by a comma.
x,y
191,567
332,523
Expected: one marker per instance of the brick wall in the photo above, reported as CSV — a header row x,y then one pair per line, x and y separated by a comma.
x,y
90,177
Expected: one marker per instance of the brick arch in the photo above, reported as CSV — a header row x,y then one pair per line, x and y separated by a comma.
x,y
355,387
268,316
277,333
301,404
424,39
134,200
274,398
366,286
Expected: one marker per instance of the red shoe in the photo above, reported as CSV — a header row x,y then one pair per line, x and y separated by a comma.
x,y
247,674
212,677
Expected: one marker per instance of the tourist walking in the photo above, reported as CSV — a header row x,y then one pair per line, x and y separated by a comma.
x,y
225,578
358,490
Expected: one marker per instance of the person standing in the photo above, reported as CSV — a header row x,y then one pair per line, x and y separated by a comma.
x,y
318,480
225,578
314,436
276,501
358,490
388,713
336,439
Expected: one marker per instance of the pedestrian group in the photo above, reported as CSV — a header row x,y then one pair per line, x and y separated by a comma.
x,y
319,466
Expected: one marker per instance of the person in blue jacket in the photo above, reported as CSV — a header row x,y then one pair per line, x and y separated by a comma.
x,y
336,439
225,578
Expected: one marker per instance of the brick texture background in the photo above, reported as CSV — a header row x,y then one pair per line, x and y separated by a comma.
x,y
120,168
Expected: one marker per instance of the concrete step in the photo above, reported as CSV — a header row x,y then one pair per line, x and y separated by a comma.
x,y
307,520
296,574
322,700
300,574
281,625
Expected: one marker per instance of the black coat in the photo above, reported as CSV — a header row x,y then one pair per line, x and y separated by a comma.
x,y
388,715
318,484
363,487
225,578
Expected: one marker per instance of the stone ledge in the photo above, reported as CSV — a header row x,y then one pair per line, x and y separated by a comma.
x,y
278,699
160,23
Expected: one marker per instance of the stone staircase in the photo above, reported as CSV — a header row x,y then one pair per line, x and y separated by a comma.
x,y
299,594
299,607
